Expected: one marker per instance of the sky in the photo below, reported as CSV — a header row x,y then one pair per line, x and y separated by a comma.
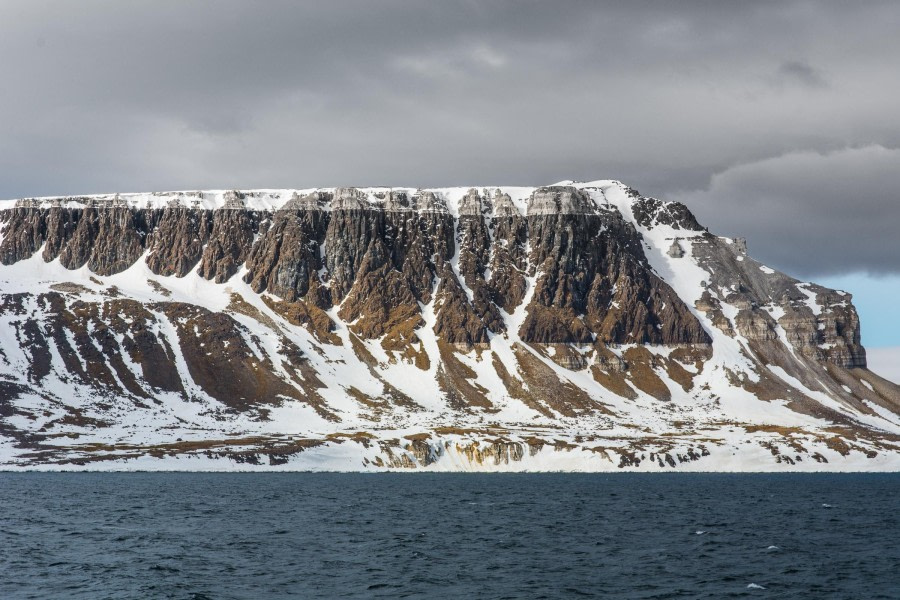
x,y
774,121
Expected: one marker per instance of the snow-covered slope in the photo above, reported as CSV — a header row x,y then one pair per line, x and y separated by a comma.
x,y
578,327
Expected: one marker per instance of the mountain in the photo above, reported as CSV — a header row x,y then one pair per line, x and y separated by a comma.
x,y
578,326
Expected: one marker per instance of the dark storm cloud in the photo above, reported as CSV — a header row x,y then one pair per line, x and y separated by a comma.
x,y
802,73
812,214
101,96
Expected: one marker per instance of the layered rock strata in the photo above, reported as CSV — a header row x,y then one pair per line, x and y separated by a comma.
x,y
421,328
590,280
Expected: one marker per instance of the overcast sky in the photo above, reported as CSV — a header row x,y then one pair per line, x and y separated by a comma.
x,y
777,121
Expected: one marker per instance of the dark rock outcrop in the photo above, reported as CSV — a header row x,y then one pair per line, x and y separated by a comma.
x,y
176,244
24,232
595,283
230,241
649,212
287,259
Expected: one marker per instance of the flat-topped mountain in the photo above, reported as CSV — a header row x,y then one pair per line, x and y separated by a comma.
x,y
578,326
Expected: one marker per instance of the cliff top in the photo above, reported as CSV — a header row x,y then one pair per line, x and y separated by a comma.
x,y
560,197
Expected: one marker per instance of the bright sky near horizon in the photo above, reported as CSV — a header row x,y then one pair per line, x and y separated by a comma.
x,y
774,121
875,299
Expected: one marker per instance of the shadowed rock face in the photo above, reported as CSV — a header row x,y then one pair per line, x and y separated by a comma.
x,y
26,230
116,239
288,257
60,227
176,244
595,283
107,240
229,243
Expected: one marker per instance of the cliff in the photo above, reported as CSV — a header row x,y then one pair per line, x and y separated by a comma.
x,y
574,326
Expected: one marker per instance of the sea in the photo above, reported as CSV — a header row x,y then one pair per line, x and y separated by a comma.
x,y
198,536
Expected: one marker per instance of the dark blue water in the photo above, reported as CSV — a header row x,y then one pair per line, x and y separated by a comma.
x,y
195,536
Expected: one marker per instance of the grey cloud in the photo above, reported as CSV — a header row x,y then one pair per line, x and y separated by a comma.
x,y
802,73
811,214
103,95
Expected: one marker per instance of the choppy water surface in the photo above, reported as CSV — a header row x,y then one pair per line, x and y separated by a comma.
x,y
196,536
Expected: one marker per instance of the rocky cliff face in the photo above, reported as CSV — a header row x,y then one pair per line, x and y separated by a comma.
x,y
593,282
584,307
